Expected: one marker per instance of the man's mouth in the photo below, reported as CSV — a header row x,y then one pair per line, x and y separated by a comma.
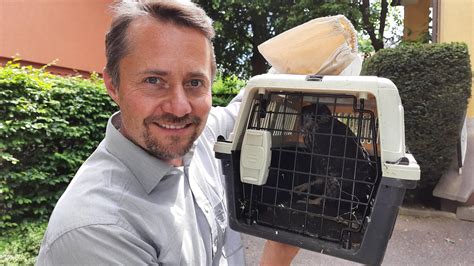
x,y
173,126
170,122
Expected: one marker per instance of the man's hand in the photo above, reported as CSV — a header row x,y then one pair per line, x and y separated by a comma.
x,y
275,253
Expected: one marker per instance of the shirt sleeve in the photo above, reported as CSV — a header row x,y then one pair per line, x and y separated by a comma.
x,y
98,245
221,120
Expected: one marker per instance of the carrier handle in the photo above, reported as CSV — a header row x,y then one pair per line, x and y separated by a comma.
x,y
314,77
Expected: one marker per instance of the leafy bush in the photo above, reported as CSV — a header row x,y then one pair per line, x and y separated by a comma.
x,y
20,246
225,88
49,126
434,82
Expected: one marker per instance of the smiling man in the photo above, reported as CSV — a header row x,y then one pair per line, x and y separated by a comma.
x,y
152,193
164,90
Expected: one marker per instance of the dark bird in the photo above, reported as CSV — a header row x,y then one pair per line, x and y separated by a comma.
x,y
337,155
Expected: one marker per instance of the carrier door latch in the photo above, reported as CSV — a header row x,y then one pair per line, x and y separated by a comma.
x,y
255,157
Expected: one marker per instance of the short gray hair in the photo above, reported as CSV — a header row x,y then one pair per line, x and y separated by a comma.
x,y
180,13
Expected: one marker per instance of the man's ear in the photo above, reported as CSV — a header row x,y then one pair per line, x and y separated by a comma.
x,y
111,89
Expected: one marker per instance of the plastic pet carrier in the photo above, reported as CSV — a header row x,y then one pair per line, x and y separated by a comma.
x,y
319,162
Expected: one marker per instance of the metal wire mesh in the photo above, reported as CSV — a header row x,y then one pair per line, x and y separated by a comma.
x,y
324,167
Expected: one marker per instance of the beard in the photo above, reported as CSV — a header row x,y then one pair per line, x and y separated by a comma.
x,y
171,147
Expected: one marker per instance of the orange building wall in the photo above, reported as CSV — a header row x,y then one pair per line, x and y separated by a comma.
x,y
41,31
457,25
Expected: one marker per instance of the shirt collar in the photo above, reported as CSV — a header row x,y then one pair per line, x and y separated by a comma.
x,y
148,169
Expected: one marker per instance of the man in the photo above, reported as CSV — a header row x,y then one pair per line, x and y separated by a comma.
x,y
152,192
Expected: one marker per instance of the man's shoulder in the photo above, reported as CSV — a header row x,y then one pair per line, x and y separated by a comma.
x,y
93,197
96,243
58,228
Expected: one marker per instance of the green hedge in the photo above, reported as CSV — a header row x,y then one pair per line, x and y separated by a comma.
x,y
20,245
434,82
225,88
49,125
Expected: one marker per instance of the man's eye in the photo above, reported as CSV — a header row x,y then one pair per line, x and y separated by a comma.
x,y
195,83
152,80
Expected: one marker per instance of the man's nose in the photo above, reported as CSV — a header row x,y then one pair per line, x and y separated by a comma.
x,y
177,102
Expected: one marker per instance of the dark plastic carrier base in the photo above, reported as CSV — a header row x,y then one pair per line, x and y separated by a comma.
x,y
364,242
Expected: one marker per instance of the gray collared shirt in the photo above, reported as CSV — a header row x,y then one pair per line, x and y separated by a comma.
x,y
127,207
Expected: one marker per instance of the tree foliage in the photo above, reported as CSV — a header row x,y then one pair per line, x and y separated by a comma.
x,y
242,25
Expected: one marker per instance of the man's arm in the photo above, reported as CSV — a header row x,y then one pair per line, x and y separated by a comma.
x,y
275,253
222,119
97,245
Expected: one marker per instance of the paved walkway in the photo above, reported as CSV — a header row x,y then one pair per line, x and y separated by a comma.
x,y
420,237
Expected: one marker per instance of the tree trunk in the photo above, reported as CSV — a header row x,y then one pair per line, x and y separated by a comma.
x,y
376,39
260,34
259,64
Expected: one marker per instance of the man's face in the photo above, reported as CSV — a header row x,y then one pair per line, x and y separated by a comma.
x,y
164,91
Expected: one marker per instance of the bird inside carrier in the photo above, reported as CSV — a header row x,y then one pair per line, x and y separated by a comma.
x,y
323,168
307,159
